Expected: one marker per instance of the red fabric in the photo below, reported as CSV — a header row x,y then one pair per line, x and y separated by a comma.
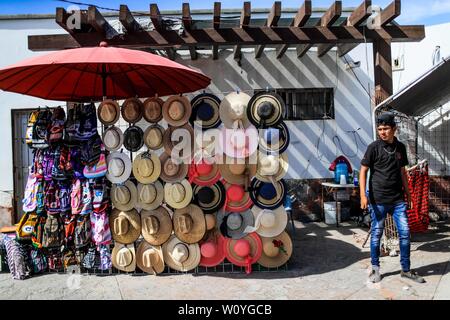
x,y
419,188
76,75
336,161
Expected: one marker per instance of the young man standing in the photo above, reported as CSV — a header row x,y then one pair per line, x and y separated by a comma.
x,y
386,158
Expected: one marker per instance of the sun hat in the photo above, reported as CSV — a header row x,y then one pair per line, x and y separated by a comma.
x,y
209,198
156,225
276,251
266,195
239,143
187,136
189,224
146,167
152,109
181,256
233,224
210,219
150,258
269,223
178,194
274,140
171,171
153,137
244,252
132,110
237,171
233,110
265,109
205,111
119,167
237,199
125,225
124,257
133,138
177,110
124,196
212,251
203,173
150,196
108,112
112,138
272,167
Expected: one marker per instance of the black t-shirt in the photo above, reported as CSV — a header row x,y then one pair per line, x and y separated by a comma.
x,y
385,162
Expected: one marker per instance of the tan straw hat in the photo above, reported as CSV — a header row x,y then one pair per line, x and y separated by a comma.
x,y
272,167
178,194
150,258
108,112
184,139
156,225
171,171
153,137
233,110
123,257
189,224
150,196
265,109
146,167
112,138
177,110
276,251
125,225
237,171
181,256
132,110
124,196
152,110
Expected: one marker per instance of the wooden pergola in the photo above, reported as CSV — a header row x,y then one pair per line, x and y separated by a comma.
x,y
302,31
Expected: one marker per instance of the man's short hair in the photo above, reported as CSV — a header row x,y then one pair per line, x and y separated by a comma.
x,y
386,119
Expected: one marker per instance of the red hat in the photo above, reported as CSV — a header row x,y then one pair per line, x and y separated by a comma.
x,y
203,173
212,251
245,251
237,199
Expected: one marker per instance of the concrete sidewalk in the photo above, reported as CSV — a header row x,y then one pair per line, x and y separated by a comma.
x,y
328,263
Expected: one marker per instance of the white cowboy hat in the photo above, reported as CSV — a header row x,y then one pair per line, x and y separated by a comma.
x,y
123,257
119,167
124,196
233,110
179,194
146,167
150,196
181,256
269,223
112,138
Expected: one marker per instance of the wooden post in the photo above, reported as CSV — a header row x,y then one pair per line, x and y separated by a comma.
x,y
382,69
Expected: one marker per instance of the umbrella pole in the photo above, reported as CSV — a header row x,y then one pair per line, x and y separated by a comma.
x,y
104,75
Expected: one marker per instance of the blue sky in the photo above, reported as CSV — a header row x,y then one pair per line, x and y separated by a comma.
x,y
413,11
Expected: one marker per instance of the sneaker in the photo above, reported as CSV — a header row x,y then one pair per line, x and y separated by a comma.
x,y
375,276
412,276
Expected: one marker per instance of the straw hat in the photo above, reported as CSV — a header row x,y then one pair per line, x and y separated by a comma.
x,y
178,195
205,111
265,109
125,225
156,225
212,251
119,167
123,257
146,167
181,256
112,138
203,173
184,136
239,143
269,223
274,140
233,110
237,199
189,224
177,110
124,196
171,171
211,221
108,112
152,109
150,258
233,224
132,110
244,252
133,138
266,195
276,250
272,167
150,196
153,137
237,171
209,198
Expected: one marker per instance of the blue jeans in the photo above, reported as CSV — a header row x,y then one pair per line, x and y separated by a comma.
x,y
378,215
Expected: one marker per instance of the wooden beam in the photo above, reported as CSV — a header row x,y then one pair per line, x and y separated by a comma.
x,y
187,23
391,12
323,48
62,19
243,23
272,21
216,25
300,19
128,21
155,17
96,20
383,70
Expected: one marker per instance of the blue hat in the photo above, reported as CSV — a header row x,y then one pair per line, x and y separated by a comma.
x,y
264,194
205,111
275,140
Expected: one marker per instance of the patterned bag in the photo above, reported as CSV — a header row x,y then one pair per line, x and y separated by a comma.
x,y
64,198
41,128
90,258
53,235
55,261
56,130
38,261
29,201
70,222
17,259
47,163
88,122
83,232
52,203
38,232
105,257
87,199
73,126
26,226
101,233
30,127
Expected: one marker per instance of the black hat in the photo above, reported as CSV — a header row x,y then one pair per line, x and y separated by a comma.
x,y
209,198
133,138
387,119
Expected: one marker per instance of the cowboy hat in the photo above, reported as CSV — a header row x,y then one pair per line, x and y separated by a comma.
x,y
244,252
237,199
132,110
181,256
171,171
124,196
119,167
266,195
133,138
177,110
125,225
185,142
276,250
179,194
189,224
233,224
203,173
239,143
272,167
210,219
233,110
209,198
108,112
156,225
123,257
265,109
153,137
146,167
237,171
152,109
112,138
150,258
150,196
205,111
274,140
269,223
212,251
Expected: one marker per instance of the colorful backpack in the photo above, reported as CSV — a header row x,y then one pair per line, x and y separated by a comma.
x,y
38,232
38,261
40,199
75,197
41,128
57,126
38,164
70,223
53,235
17,259
101,232
98,170
25,228
55,261
52,202
83,232
88,122
91,150
73,126
64,198
105,257
30,127
86,199
90,259
47,163
29,201
99,189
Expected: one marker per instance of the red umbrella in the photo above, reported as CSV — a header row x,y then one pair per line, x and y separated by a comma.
x,y
86,74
